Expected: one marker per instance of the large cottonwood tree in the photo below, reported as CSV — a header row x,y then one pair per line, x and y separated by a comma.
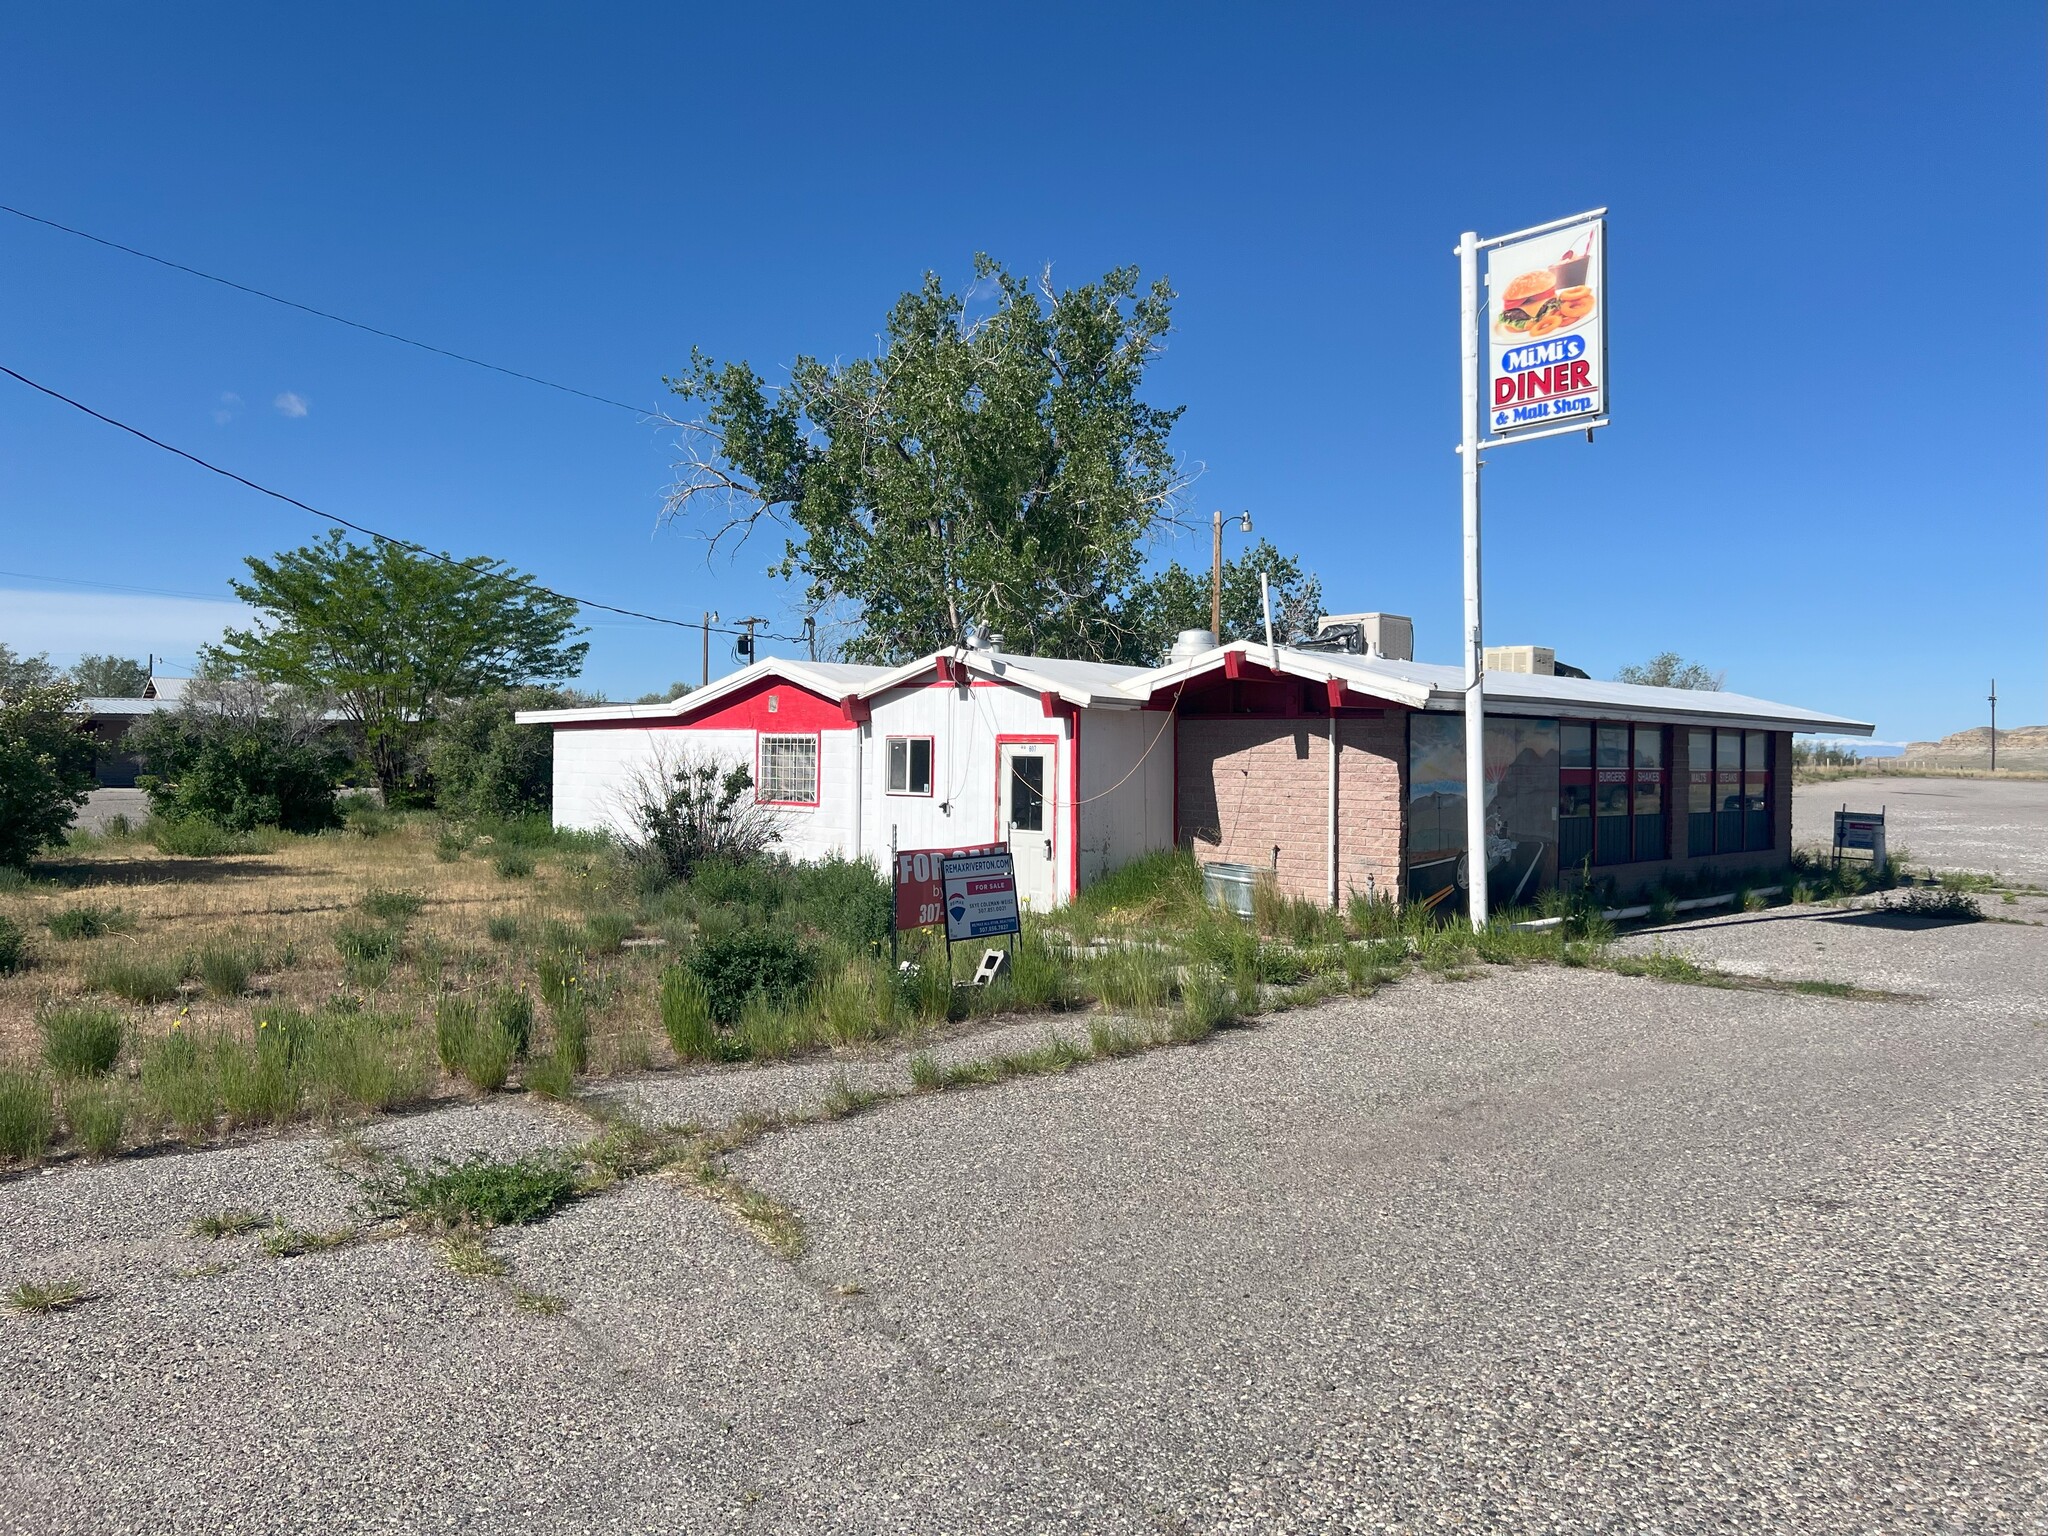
x,y
993,461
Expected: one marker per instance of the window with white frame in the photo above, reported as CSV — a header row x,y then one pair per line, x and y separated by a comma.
x,y
910,765
789,770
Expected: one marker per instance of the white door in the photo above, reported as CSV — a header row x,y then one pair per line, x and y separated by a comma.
x,y
1024,786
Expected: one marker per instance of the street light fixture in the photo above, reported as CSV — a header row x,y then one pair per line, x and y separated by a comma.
x,y
1244,525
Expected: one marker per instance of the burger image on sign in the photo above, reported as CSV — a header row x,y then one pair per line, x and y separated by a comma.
x,y
1547,300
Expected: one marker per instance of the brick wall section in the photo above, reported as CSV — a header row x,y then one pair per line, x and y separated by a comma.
x,y
1632,879
1249,785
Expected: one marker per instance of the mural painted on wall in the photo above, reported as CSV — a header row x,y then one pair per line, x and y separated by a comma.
x,y
1521,810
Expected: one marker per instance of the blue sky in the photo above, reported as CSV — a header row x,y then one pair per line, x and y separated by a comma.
x,y
1825,472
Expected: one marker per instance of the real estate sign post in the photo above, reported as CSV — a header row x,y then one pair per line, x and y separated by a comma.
x,y
1546,373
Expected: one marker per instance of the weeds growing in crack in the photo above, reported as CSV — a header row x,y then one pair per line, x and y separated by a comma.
x,y
35,1298
285,1242
539,1303
466,1254
228,1223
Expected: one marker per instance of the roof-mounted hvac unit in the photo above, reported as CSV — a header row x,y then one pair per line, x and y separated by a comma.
x,y
1388,636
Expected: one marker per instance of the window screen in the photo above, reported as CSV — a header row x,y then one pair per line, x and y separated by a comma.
x,y
789,769
910,765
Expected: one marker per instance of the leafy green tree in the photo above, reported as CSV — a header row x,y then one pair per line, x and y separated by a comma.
x,y
18,673
675,691
994,461
1667,669
45,767
110,677
1161,606
394,637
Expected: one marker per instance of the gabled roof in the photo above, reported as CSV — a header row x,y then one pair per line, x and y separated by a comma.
x,y
832,680
1424,685
1089,684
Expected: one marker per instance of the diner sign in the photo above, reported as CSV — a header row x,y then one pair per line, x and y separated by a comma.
x,y
1546,329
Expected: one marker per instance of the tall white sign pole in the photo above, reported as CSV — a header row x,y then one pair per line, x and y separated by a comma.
x,y
1475,641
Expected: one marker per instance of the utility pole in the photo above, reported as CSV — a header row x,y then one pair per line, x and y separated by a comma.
x,y
708,618
1994,725
1244,525
747,645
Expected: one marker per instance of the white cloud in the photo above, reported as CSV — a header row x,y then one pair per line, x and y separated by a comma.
x,y
289,404
73,624
225,411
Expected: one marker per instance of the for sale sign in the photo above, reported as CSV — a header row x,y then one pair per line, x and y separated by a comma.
x,y
981,896
1546,323
920,894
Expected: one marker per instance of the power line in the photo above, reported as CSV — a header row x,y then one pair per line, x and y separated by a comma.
x,y
228,282
407,544
109,586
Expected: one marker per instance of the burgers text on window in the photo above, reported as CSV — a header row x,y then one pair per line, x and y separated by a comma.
x,y
789,770
910,765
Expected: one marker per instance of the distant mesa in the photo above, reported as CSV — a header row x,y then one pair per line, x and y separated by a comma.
x,y
2020,747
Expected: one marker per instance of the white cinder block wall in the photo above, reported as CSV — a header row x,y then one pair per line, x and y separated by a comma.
x,y
595,769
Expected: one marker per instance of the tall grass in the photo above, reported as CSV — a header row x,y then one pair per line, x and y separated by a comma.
x,y
96,1113
471,1046
1135,979
686,1015
225,967
80,1040
138,976
27,1120
15,954
89,922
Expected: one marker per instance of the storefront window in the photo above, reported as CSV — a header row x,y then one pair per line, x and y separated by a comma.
x,y
1649,792
1756,790
1610,795
1699,793
1522,809
1574,795
1728,791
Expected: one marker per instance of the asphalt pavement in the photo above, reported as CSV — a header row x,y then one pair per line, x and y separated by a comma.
x,y
1537,1251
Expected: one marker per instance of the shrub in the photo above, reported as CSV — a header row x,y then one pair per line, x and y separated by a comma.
x,y
224,968
512,863
390,906
479,1191
1944,902
686,1015
45,768
80,1040
139,978
14,950
845,899
690,811
96,1114
89,922
366,952
484,764
502,930
237,768
734,967
26,1118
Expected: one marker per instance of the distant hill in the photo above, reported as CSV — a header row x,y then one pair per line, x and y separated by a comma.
x,y
2019,747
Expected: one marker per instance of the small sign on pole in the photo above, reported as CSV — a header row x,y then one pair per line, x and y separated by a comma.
x,y
981,897
1859,832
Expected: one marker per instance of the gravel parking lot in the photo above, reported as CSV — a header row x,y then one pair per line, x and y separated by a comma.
x,y
1992,826
1545,1251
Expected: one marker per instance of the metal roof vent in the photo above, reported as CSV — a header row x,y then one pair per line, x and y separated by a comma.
x,y
1190,643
